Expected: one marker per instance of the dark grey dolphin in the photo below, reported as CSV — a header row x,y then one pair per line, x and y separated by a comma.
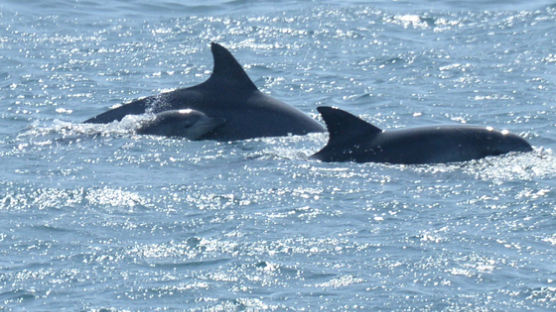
x,y
228,94
188,123
353,139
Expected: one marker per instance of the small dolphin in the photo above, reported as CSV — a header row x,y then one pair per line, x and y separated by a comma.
x,y
187,123
353,139
228,94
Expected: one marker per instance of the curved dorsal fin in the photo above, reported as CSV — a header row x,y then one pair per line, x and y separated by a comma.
x,y
227,71
343,125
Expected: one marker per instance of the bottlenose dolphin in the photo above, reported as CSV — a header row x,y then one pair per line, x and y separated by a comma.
x,y
188,123
230,94
353,139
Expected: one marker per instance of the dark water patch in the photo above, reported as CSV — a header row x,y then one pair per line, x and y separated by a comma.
x,y
19,296
194,265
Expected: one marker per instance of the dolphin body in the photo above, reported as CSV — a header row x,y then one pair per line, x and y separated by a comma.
x,y
228,94
353,139
187,123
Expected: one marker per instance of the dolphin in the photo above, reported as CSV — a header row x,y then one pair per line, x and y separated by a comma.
x,y
187,123
353,139
229,94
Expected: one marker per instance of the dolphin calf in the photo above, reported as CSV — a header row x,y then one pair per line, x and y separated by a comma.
x,y
229,94
353,139
188,123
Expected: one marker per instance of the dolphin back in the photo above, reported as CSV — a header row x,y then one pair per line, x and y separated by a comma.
x,y
353,139
230,94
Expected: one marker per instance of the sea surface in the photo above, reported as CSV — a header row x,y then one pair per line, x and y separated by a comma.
x,y
97,218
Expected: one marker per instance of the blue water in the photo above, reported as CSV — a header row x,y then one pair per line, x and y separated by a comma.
x,y
96,218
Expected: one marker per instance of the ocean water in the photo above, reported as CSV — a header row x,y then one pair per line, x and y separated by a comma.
x,y
96,218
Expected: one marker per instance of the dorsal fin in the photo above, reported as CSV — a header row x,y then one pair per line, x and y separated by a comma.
x,y
227,71
342,125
